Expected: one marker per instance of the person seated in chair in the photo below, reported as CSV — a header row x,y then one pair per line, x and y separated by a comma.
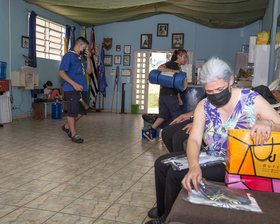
x,y
177,132
224,108
52,94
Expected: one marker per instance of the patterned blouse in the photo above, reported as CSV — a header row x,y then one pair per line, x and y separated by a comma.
x,y
215,132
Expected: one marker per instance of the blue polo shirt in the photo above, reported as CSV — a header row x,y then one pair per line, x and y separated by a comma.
x,y
71,63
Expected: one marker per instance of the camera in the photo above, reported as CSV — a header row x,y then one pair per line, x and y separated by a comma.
x,y
83,53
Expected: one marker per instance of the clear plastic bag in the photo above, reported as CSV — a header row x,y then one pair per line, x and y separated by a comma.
x,y
224,194
181,162
224,197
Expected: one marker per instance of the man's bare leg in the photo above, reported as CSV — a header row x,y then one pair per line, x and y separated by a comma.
x,y
157,123
75,120
71,125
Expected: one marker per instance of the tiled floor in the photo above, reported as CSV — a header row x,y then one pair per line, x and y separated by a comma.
x,y
45,178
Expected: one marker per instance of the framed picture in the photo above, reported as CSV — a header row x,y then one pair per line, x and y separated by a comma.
x,y
118,59
146,41
108,43
24,42
127,49
113,72
126,60
118,47
126,72
177,40
108,60
162,30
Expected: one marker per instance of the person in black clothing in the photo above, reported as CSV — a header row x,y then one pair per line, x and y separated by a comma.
x,y
175,135
169,99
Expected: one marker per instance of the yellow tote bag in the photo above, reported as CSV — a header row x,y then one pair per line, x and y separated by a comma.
x,y
253,164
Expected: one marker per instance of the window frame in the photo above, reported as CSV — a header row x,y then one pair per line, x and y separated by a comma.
x,y
49,44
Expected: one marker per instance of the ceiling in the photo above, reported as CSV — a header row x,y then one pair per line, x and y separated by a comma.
x,y
211,13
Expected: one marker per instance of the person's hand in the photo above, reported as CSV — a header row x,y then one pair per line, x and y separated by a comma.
x,y
193,176
177,120
87,53
187,128
262,129
78,87
180,102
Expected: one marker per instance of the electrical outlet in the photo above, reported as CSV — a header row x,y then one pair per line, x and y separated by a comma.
x,y
15,108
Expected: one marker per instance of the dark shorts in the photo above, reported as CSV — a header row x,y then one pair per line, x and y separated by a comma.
x,y
169,107
74,107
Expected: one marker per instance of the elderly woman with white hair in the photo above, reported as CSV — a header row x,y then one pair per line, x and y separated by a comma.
x,y
224,108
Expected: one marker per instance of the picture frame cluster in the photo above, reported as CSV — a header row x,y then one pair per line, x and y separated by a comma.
x,y
109,60
177,40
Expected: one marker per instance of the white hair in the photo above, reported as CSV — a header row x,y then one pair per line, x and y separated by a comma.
x,y
213,70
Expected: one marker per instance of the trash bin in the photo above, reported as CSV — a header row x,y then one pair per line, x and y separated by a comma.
x,y
56,110
134,108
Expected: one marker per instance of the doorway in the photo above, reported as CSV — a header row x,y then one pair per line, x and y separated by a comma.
x,y
156,59
145,94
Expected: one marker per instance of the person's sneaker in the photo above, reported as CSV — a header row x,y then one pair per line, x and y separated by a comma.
x,y
160,220
153,213
148,133
77,139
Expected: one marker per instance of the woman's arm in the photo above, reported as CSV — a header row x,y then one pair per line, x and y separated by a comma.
x,y
193,149
181,117
163,68
267,120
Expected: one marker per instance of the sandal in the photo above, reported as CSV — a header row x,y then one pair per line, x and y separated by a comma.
x,y
65,129
77,139
153,213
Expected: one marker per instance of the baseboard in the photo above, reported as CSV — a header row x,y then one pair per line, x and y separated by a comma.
x,y
114,111
49,114
21,116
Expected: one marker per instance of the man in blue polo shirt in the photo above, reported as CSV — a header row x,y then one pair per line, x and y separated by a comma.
x,y
73,70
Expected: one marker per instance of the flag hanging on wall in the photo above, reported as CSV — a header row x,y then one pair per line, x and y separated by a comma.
x,y
72,37
88,75
32,40
67,38
101,75
93,76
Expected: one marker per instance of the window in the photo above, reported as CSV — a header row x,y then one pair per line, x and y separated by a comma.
x,y
49,39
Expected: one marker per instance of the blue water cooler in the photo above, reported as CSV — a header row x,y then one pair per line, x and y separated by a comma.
x,y
3,67
56,110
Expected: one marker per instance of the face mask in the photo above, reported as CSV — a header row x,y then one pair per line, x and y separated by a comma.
x,y
220,99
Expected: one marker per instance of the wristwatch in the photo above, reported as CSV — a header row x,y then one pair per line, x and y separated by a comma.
x,y
191,118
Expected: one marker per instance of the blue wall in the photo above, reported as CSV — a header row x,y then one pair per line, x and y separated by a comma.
x,y
203,41
4,27
47,69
